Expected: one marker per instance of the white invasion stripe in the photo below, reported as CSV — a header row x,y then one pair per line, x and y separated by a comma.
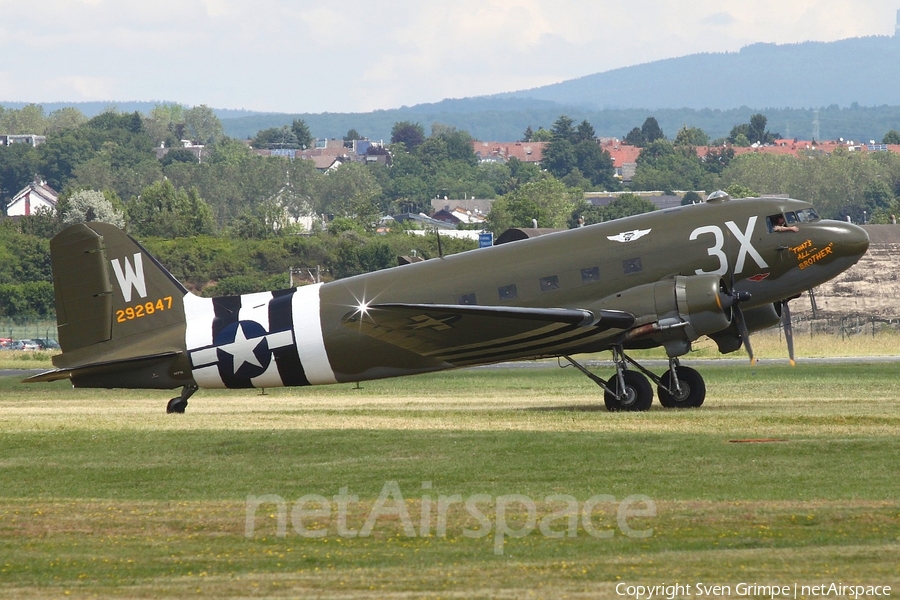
x,y
199,314
308,335
255,307
208,377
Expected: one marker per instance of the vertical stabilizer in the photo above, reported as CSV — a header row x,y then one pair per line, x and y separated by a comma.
x,y
120,314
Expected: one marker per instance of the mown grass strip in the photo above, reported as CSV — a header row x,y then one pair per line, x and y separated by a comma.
x,y
102,494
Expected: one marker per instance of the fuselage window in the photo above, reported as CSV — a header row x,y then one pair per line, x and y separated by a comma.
x,y
466,299
589,275
549,283
508,292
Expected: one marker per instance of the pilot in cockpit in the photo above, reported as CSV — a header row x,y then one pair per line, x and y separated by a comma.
x,y
778,224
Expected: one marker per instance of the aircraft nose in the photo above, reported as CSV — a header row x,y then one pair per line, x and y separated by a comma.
x,y
851,240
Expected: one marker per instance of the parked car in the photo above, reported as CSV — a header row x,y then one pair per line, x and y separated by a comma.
x,y
46,343
25,345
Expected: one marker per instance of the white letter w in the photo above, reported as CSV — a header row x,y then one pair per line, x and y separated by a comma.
x,y
133,276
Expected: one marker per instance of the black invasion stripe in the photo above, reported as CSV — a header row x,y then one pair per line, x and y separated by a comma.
x,y
287,359
492,357
226,310
503,344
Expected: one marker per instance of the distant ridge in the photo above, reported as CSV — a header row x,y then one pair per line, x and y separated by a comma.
x,y
810,74
94,108
850,87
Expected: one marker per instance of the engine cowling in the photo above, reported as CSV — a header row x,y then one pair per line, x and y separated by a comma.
x,y
763,317
675,312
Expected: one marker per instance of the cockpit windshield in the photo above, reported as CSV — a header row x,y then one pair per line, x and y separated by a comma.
x,y
807,215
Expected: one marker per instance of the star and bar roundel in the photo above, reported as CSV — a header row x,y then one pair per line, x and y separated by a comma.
x,y
253,344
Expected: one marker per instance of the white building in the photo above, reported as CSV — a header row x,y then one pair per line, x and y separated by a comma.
x,y
34,197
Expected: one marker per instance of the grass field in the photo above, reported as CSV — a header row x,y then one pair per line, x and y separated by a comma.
x,y
784,476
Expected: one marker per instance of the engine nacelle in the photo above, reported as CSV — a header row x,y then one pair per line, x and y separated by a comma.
x,y
757,319
675,312
763,317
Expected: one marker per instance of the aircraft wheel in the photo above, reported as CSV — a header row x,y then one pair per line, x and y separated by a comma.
x,y
693,389
637,395
176,405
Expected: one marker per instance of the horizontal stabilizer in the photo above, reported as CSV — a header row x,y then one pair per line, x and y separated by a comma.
x,y
465,334
158,371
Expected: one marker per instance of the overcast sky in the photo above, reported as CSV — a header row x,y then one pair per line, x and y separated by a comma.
x,y
302,56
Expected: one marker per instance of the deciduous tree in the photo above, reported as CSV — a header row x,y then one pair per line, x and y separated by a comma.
x,y
410,134
85,206
548,201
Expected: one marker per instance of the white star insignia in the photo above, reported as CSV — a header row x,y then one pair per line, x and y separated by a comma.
x,y
243,349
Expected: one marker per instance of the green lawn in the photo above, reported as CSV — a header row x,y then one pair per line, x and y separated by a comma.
x,y
784,476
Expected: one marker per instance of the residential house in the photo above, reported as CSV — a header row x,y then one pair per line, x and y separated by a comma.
x,y
501,152
198,150
23,138
34,197
624,157
480,206
459,216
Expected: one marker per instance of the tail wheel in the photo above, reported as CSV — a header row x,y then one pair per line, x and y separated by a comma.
x,y
692,393
636,396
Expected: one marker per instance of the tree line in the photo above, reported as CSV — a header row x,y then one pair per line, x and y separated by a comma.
x,y
228,221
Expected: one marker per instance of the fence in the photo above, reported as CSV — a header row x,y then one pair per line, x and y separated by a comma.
x,y
845,326
27,329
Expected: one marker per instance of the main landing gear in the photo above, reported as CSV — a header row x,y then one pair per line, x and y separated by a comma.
x,y
179,403
629,390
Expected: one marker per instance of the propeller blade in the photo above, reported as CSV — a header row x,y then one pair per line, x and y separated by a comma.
x,y
745,333
733,299
788,330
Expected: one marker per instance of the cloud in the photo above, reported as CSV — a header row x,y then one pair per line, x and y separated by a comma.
x,y
356,55
718,19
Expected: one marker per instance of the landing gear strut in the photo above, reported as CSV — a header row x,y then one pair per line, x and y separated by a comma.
x,y
628,390
179,403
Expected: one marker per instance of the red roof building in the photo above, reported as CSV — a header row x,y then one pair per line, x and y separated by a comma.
x,y
531,152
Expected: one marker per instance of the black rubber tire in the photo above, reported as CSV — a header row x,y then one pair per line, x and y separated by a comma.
x,y
638,393
693,389
176,405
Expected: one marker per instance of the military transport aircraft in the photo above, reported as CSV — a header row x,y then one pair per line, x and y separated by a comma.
x,y
719,269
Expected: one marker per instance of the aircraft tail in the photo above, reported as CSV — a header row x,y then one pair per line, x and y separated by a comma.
x,y
120,314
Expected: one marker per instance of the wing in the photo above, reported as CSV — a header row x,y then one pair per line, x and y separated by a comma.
x,y
463,335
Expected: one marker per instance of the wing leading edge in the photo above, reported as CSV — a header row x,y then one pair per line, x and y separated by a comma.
x,y
465,335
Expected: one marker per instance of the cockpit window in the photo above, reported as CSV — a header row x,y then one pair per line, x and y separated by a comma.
x,y
782,222
774,220
807,215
